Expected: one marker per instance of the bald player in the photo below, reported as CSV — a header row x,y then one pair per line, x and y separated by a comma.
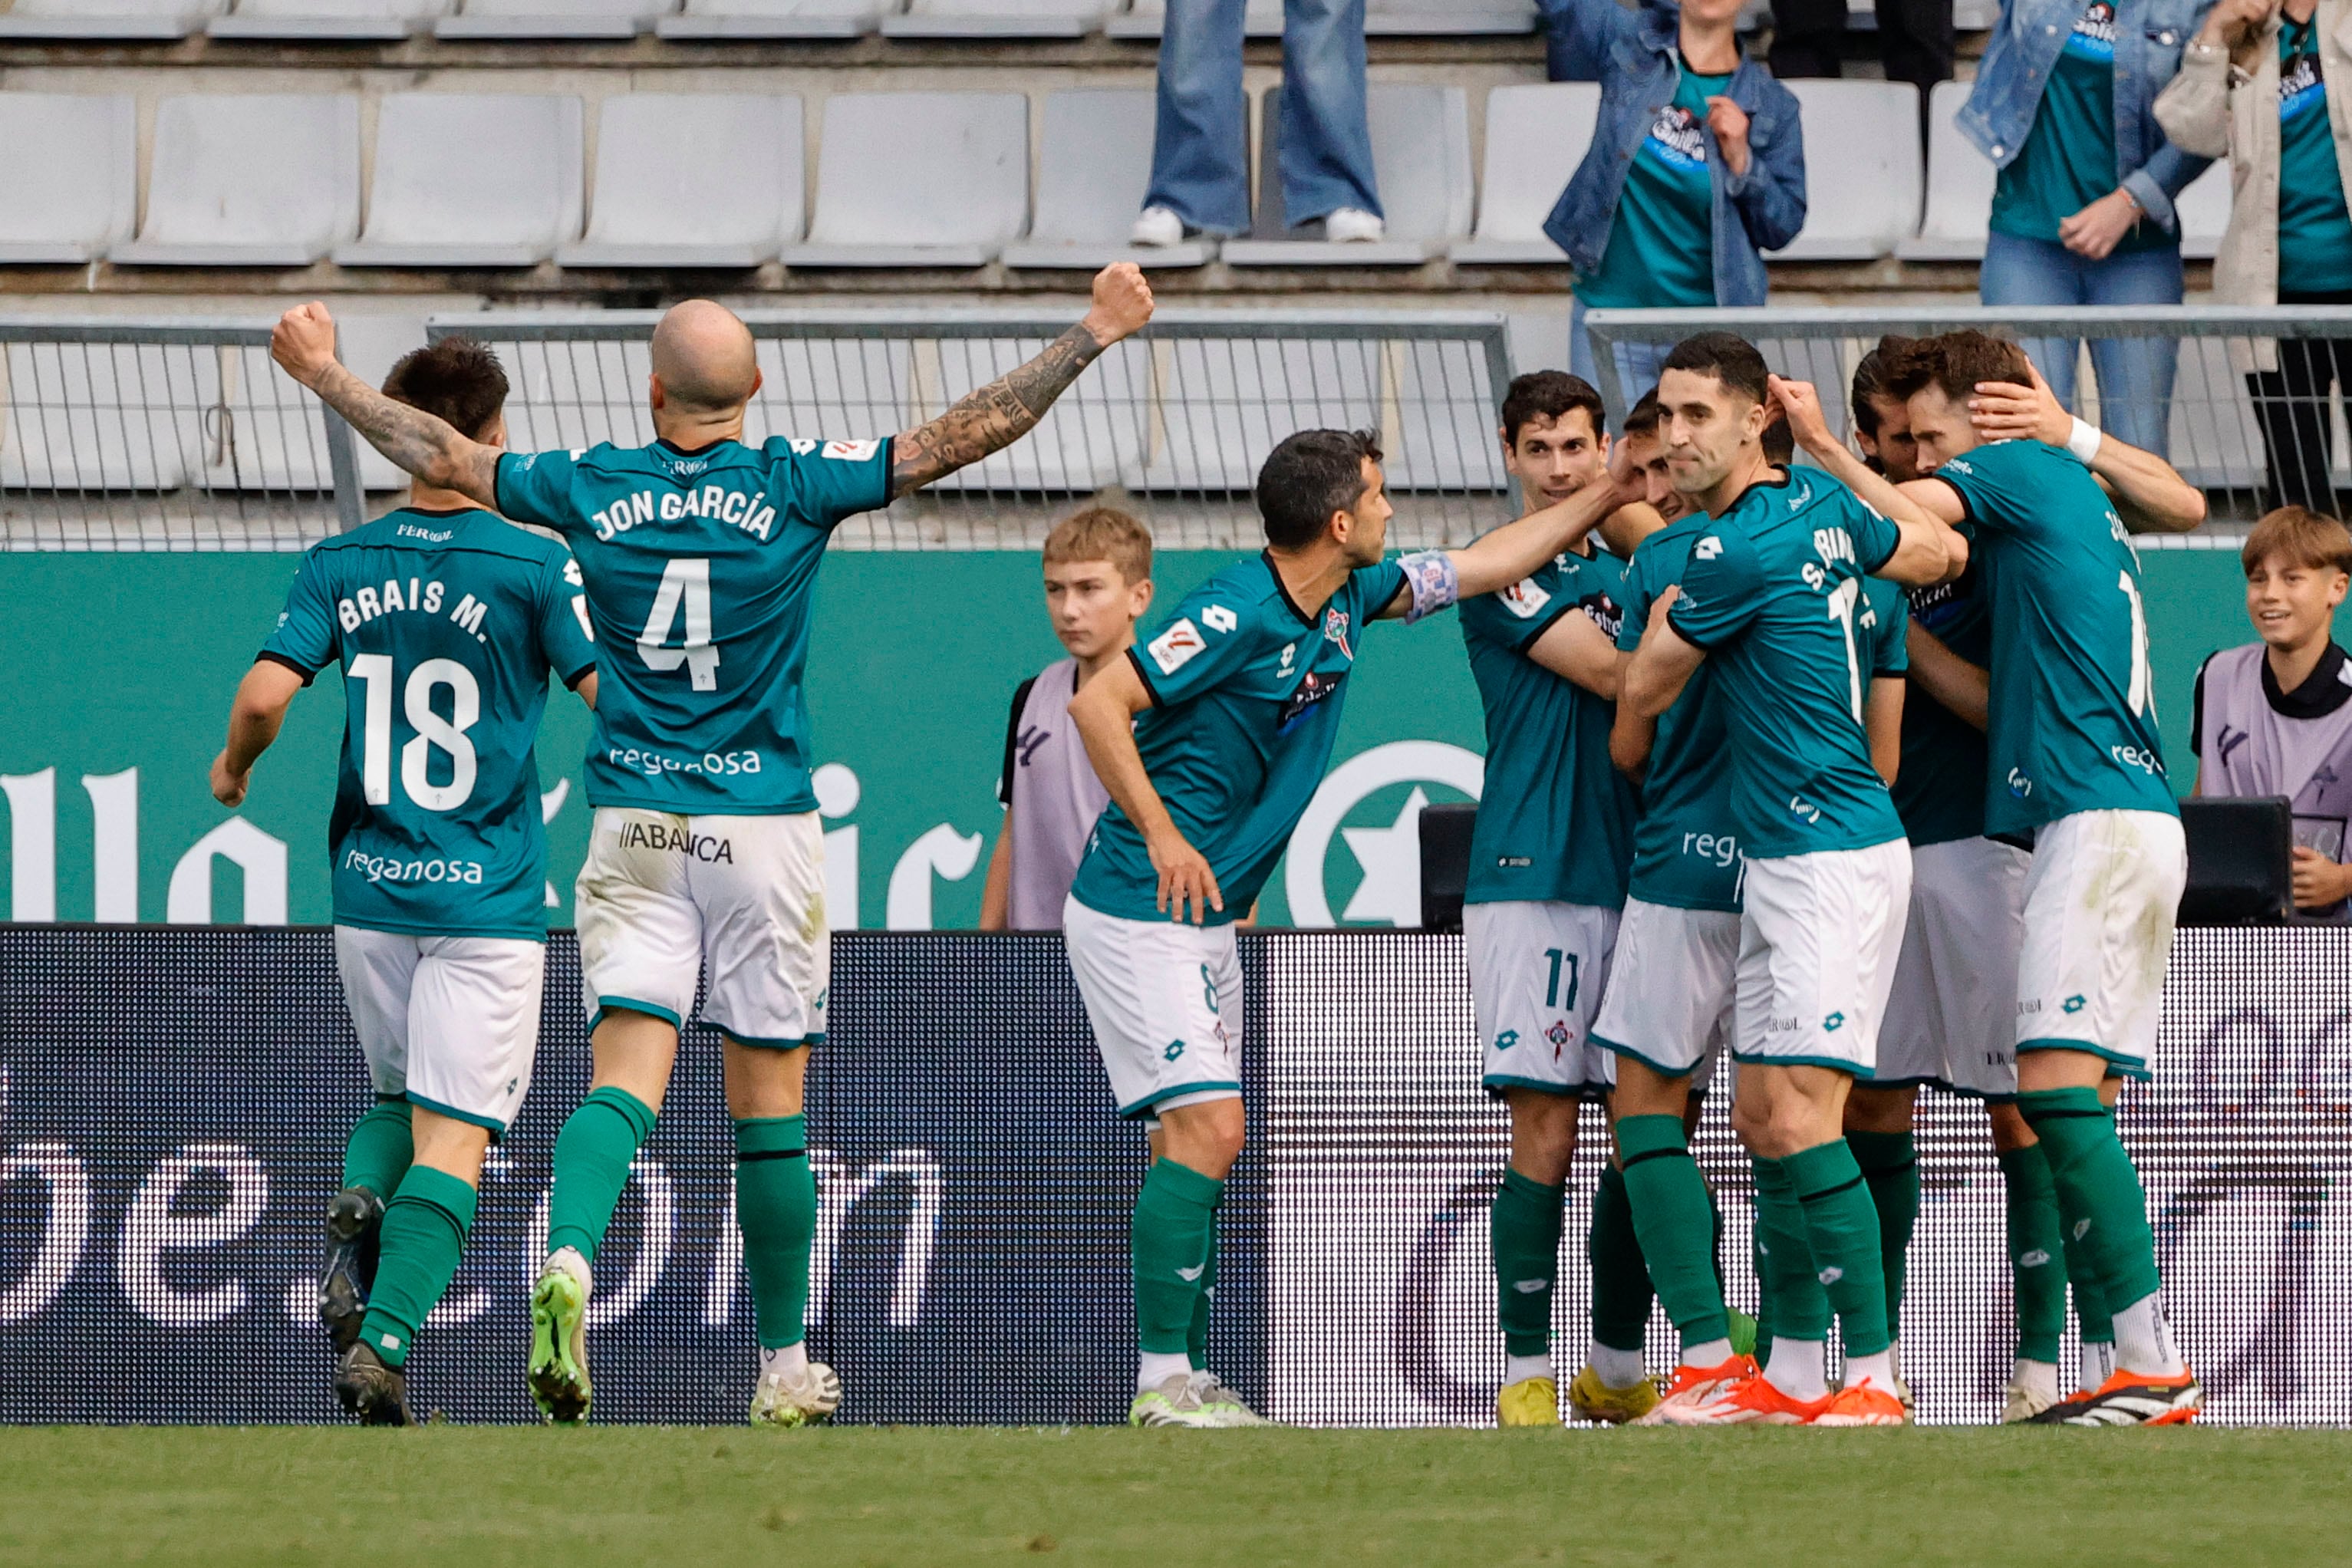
x,y
700,555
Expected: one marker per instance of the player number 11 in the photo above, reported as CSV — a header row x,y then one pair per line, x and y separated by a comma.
x,y
1552,998
1841,600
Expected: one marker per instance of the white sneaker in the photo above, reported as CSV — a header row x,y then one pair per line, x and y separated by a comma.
x,y
1353,226
1174,1401
1156,228
1219,1397
801,1397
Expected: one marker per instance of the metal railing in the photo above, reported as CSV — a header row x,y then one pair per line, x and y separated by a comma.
x,y
2249,416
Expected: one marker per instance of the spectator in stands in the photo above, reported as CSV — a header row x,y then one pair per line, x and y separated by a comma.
x,y
2275,717
1914,39
2082,214
1200,151
2290,237
1697,166
1098,583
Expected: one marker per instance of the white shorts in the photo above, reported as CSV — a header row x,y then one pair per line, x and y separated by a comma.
x,y
449,1023
1165,1000
1949,1018
662,896
1818,941
1669,999
1537,972
2100,901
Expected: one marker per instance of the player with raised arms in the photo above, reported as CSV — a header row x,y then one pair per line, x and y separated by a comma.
x,y
445,621
1212,738
1771,597
700,555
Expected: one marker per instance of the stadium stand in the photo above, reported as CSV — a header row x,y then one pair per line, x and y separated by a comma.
x,y
660,202
69,186
917,179
554,19
1094,160
1872,131
1959,186
112,20
1410,19
327,21
1536,136
471,180
995,19
1420,153
750,20
250,180
1145,18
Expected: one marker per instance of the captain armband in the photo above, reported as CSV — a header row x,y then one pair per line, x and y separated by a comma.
x,y
1434,584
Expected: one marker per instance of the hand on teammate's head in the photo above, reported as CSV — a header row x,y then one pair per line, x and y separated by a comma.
x,y
2005,411
303,341
1122,302
1800,405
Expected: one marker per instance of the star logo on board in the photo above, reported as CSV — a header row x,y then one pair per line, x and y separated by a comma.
x,y
1388,857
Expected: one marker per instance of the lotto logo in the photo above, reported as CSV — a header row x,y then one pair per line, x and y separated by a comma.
x,y
1524,598
1172,648
1218,618
1833,1023
852,451
1708,549
1507,1040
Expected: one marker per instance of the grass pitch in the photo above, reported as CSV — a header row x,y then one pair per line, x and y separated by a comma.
x,y
918,1496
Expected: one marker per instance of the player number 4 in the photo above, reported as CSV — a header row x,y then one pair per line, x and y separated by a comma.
x,y
373,672
685,587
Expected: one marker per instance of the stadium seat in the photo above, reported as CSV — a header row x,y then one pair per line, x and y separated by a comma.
x,y
124,20
1420,155
85,417
250,180
327,21
1448,18
1872,129
919,179
774,19
1222,402
1093,433
661,200
70,185
554,19
1959,186
2203,209
1536,136
1262,20
471,180
1093,164
995,19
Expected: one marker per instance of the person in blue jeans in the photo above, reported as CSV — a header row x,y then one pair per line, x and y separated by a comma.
x,y
2082,212
1697,166
1200,146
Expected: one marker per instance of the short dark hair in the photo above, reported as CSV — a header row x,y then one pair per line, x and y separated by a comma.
x,y
1870,381
1549,394
1779,442
1308,477
1643,418
1953,363
456,380
1727,356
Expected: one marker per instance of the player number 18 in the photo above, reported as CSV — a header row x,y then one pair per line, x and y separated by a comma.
x,y
373,672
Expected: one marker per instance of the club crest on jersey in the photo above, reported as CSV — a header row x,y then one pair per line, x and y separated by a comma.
x,y
685,468
1524,598
1335,630
1172,648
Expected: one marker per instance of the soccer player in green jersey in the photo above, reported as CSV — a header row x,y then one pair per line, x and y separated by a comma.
x,y
2074,759
1771,598
445,622
700,555
1547,878
1212,738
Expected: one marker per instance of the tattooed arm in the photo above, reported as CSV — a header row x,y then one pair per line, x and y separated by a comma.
x,y
425,448
1008,408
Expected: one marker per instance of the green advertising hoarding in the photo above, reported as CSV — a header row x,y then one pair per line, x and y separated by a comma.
x,y
119,669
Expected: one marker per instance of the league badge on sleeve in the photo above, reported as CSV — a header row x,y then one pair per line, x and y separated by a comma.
x,y
1173,647
1524,598
852,451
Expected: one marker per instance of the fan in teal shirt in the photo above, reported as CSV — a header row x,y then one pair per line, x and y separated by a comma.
x,y
2314,234
446,626
2068,161
1662,245
1555,819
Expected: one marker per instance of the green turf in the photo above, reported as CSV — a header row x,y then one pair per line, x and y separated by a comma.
x,y
915,1496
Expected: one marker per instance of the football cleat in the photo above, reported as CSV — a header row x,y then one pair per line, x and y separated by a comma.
x,y
1590,1399
1174,1401
2130,1399
353,1218
2024,1402
1221,1399
559,1340
1530,1402
802,1398
1693,1386
1751,1401
376,1394
1864,1405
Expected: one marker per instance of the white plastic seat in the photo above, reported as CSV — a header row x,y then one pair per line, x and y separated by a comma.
x,y
471,180
327,21
995,19
693,180
1868,132
1094,165
1448,19
1959,186
1093,433
127,20
70,184
1421,158
1536,137
919,179
554,19
775,18
1145,20
2202,210
101,416
250,180
1224,401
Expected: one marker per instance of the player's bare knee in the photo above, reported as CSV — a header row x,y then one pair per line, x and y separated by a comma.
x,y
1206,1137
633,1051
1869,1109
1643,1091
446,1144
1543,1134
762,1081
2010,1130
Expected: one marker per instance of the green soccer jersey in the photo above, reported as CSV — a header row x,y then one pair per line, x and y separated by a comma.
x,y
2074,713
1939,792
701,575
1879,632
446,624
1556,820
1774,594
1245,690
1686,853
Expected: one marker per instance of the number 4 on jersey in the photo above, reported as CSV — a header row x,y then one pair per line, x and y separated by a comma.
x,y
685,585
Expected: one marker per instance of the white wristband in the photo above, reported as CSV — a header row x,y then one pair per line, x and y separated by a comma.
x,y
2083,442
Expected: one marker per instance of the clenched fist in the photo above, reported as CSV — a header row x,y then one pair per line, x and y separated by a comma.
x,y
1122,303
303,342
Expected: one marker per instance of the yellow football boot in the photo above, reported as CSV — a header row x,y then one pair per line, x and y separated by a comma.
x,y
1592,1400
1530,1402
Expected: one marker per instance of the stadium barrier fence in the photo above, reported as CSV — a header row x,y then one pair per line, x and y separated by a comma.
x,y
173,1104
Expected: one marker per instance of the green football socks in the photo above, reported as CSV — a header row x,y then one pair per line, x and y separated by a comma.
x,y
2098,1191
1174,1214
1622,1292
775,1207
1890,1165
1196,1341
1672,1216
377,1153
591,1165
1526,1224
2037,1260
1842,1228
424,1236
1793,1305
